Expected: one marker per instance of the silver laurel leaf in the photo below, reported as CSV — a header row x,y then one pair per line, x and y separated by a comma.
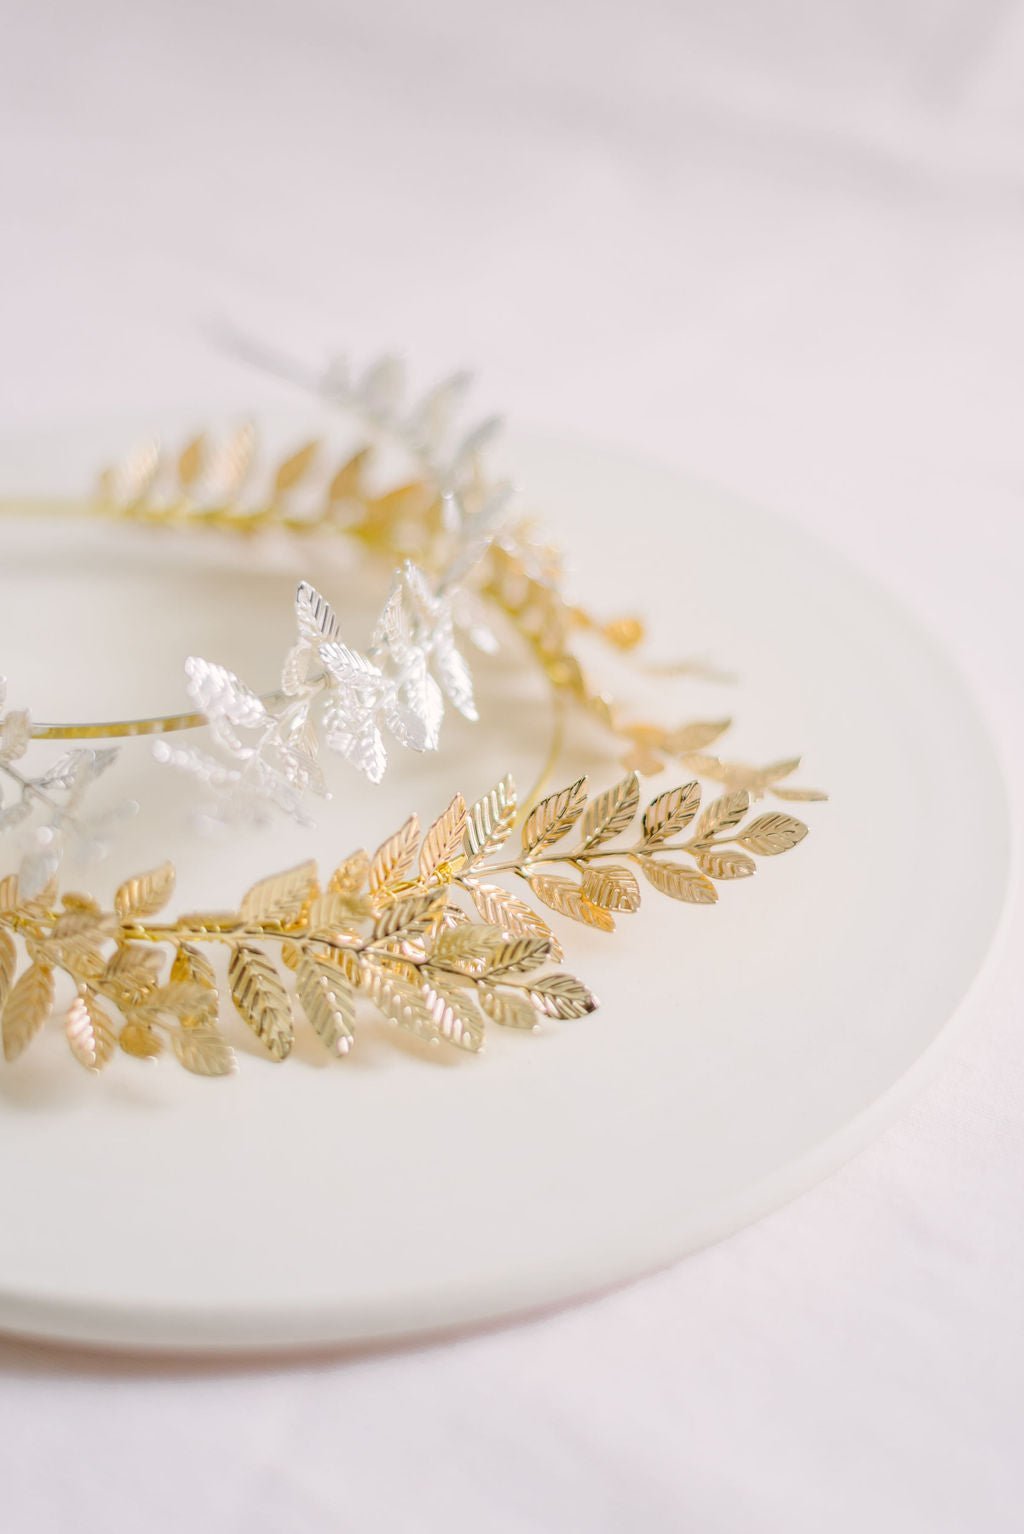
x,y
357,739
420,694
315,615
351,669
219,693
394,631
455,678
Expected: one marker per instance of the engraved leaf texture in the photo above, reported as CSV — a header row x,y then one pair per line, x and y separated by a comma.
x,y
27,1008
203,1051
725,864
8,961
454,1015
567,898
315,616
261,999
680,881
404,1003
89,1031
145,894
509,1008
670,812
490,820
443,840
772,833
722,814
501,909
393,857
518,957
611,812
562,996
612,886
334,912
409,917
549,821
191,966
281,897
328,1002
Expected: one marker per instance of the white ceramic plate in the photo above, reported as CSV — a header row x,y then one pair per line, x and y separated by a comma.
x,y
740,1053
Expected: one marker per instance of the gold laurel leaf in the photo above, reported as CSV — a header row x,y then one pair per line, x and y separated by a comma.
x,y
549,821
42,902
145,894
695,736
132,971
280,898
450,916
228,463
89,1032
562,996
612,887
350,876
467,948
611,812
191,461
191,966
393,857
567,898
501,909
721,815
337,913
261,999
9,892
83,903
8,963
295,468
443,840
774,773
347,482
454,1015
725,864
328,1002
409,917
140,1040
27,1008
203,1051
490,820
707,766
190,1002
670,812
772,833
511,1009
402,1002
518,957
804,795
680,881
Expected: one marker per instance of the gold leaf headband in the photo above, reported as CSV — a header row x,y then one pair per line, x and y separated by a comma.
x,y
426,931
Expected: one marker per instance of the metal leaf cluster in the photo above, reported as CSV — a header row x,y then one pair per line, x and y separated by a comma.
x,y
419,933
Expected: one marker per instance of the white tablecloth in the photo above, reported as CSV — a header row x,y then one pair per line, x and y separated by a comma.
x,y
781,245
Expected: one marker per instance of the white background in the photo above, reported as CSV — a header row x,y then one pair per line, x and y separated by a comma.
x,y
781,245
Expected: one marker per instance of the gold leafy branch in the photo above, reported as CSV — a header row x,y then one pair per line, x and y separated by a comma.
x,y
418,932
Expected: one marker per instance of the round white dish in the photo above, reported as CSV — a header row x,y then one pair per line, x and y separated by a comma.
x,y
740,1052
